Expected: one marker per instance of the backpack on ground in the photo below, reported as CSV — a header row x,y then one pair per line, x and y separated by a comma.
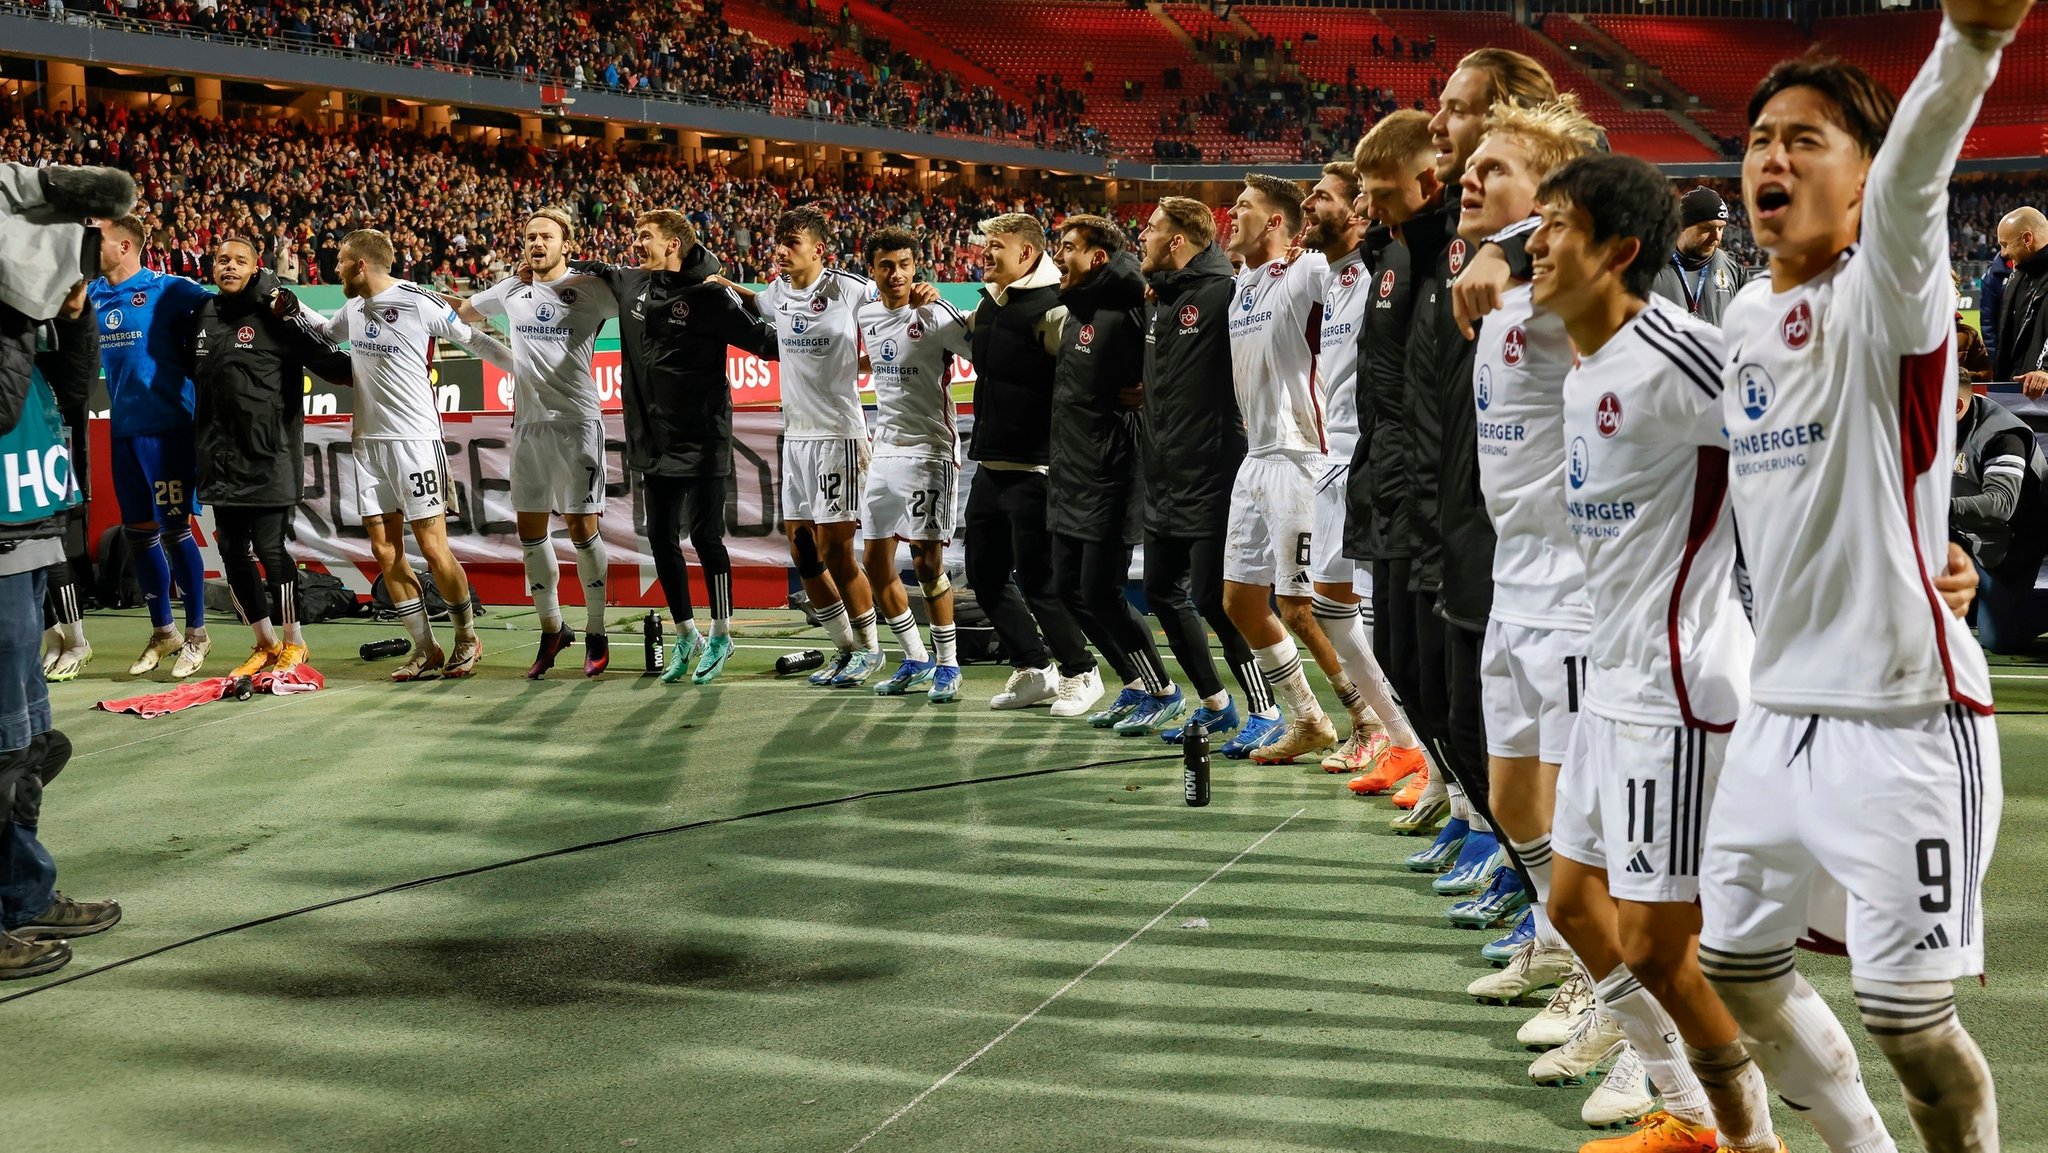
x,y
383,609
322,597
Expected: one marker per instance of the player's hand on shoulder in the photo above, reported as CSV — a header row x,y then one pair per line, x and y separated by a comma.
x,y
1958,586
1477,291
284,304
74,302
923,293
2034,384
1988,15
524,273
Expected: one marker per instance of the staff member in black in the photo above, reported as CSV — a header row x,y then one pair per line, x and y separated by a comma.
x,y
2021,352
1017,332
1193,441
677,315
250,349
1094,496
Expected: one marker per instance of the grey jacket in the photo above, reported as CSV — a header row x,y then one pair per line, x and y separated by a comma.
x,y
1724,278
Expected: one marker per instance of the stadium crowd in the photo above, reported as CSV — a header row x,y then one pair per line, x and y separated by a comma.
x,y
453,206
675,52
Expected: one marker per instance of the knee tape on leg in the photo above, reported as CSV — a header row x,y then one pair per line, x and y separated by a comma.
x,y
809,565
934,589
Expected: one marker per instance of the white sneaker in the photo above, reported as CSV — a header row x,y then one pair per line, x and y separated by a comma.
x,y
1078,694
1560,1018
161,645
53,647
1624,1096
1027,687
191,655
1594,1045
1532,967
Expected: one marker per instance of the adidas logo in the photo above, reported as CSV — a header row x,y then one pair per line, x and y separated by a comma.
x,y
1640,864
1938,939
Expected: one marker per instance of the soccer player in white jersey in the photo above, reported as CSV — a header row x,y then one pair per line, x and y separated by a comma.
x,y
1645,494
914,480
1272,503
401,467
1532,657
557,427
1868,753
824,435
1389,749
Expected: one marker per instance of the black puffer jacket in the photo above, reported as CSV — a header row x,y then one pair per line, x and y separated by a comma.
x,y
248,375
1422,384
1094,490
1379,524
1194,437
674,328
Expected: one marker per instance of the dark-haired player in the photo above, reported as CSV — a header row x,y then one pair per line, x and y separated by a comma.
x,y
824,435
913,483
1867,754
1645,496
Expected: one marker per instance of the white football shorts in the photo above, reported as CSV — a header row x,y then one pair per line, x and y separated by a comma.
x,y
1272,520
1531,681
403,476
822,480
1902,811
558,466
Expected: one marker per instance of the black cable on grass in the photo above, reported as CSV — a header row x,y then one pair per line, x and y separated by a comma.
x,y
642,835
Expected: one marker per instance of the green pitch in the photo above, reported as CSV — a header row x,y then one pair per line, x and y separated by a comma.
x,y
967,958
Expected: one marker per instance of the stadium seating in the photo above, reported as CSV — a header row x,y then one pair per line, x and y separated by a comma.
x,y
1719,61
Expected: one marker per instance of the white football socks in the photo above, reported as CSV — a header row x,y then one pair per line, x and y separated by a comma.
x,y
541,578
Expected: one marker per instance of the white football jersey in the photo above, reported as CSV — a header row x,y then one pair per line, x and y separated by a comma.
x,y
910,357
819,332
1270,358
1346,292
1518,375
1840,408
1646,494
391,349
554,333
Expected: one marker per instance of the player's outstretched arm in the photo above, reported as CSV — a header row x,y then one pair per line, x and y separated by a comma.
x,y
1905,198
478,339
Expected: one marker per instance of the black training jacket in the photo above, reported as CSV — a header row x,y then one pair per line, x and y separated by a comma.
x,y
1093,489
1193,437
1378,522
674,328
249,388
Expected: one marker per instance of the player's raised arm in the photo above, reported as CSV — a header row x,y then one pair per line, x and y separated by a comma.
x,y
1905,199
476,338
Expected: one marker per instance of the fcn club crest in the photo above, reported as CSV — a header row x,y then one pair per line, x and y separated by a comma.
x,y
1386,284
1511,345
1457,255
139,299
916,330
1607,418
1349,276
1797,327
817,304
1086,336
1189,315
245,334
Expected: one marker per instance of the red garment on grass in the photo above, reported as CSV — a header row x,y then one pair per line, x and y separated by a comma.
x,y
303,679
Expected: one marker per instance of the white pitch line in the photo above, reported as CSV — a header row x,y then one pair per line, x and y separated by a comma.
x,y
1063,990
